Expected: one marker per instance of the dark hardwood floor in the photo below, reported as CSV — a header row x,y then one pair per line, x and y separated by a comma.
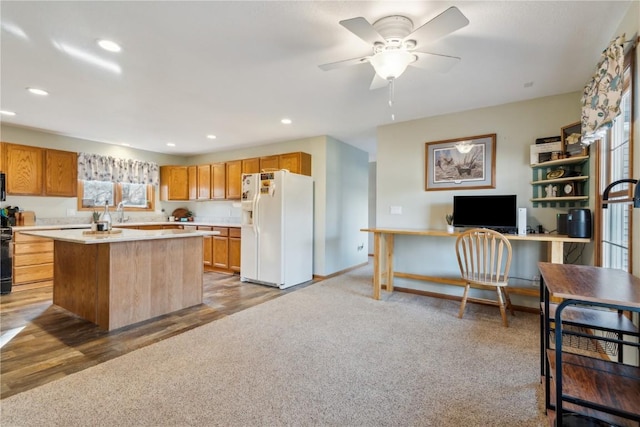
x,y
50,342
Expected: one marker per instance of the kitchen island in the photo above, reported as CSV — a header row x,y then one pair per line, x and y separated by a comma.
x,y
126,276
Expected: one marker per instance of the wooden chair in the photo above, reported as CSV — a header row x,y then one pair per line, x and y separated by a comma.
x,y
484,257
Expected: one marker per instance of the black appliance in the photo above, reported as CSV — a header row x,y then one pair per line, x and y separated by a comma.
x,y
561,225
579,223
5,260
3,188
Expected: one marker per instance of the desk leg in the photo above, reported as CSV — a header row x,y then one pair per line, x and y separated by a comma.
x,y
556,252
377,273
389,262
382,263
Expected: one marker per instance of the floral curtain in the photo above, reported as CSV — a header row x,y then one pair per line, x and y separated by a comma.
x,y
96,167
602,94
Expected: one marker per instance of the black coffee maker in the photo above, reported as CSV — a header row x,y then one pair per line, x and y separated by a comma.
x,y
8,216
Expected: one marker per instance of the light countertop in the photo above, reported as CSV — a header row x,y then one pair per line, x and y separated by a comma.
x,y
79,236
123,225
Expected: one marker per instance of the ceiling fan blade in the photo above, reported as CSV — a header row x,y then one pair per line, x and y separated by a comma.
x,y
344,63
447,22
363,29
378,82
434,62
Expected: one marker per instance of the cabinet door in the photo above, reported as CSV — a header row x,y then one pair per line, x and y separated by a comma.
x,y
24,166
251,165
61,173
2,157
192,179
234,179
204,182
207,247
221,252
174,183
270,162
218,181
296,163
234,249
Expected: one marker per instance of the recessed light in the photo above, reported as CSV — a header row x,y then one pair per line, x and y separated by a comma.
x,y
171,144
37,91
109,45
211,136
7,113
285,121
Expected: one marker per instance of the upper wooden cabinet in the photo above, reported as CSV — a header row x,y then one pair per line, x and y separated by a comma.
x,y
24,166
270,162
296,163
61,173
234,179
174,183
204,182
192,178
218,181
251,165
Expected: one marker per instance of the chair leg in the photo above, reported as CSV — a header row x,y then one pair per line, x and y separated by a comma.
x,y
463,304
509,306
503,311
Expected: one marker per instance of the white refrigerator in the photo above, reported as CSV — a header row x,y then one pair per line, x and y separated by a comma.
x,y
277,229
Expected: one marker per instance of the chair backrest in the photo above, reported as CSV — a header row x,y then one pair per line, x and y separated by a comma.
x,y
484,256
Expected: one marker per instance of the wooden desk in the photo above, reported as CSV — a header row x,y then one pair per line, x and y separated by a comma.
x,y
593,386
383,252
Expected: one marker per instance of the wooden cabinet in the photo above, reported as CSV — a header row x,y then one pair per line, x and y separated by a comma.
x,y
35,171
61,173
270,162
221,248
174,183
192,180
32,261
204,182
234,249
251,165
218,181
221,252
234,179
24,166
562,182
296,163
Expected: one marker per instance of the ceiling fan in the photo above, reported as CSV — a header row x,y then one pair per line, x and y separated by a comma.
x,y
394,43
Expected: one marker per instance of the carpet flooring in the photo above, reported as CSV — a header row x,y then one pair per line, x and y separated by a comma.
x,y
325,355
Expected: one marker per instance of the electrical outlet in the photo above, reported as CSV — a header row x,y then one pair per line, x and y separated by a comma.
x,y
360,246
535,279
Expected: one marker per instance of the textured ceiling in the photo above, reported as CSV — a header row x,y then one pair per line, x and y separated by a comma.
x,y
234,69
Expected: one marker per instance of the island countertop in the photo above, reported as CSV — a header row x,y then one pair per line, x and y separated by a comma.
x,y
119,235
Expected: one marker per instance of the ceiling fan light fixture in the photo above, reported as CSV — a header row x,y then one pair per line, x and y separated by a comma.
x,y
390,64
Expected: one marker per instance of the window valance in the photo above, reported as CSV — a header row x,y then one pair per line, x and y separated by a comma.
x,y
96,167
602,94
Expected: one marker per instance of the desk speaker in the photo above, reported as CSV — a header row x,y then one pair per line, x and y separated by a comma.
x,y
579,223
561,224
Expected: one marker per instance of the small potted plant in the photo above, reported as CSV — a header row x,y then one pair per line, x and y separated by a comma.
x,y
449,218
95,217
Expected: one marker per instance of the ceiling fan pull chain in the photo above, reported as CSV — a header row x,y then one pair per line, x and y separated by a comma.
x,y
391,80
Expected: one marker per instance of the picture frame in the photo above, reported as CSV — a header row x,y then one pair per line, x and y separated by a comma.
x,y
461,163
571,140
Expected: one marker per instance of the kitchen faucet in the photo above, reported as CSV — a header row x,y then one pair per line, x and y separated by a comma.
x,y
120,209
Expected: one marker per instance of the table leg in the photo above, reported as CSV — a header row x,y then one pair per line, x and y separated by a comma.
x,y
388,253
376,265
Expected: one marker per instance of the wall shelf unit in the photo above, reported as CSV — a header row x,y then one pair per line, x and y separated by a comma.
x,y
563,191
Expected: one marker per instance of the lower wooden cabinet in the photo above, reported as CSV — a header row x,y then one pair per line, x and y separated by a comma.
x,y
32,261
221,252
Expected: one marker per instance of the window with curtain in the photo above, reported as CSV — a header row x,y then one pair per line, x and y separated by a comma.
x,y
615,163
111,181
